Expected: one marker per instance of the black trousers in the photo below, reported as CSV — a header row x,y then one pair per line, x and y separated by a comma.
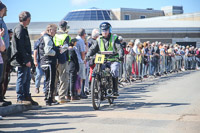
x,y
72,82
50,73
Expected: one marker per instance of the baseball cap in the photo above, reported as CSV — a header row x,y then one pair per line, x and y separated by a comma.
x,y
63,24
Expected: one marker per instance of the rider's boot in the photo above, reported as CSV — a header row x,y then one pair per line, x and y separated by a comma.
x,y
115,86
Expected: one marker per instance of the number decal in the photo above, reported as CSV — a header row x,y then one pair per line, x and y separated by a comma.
x,y
99,59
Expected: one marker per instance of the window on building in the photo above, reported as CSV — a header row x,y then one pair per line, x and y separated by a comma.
x,y
142,17
126,17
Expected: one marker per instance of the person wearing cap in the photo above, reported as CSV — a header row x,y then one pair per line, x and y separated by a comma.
x,y
80,49
108,42
5,37
73,69
62,39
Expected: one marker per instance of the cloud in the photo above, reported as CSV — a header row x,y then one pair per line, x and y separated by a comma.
x,y
80,2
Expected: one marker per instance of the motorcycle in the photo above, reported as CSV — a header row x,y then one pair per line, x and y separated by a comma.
x,y
102,83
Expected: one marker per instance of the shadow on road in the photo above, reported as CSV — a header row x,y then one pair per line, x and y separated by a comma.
x,y
131,96
42,131
138,105
36,125
44,116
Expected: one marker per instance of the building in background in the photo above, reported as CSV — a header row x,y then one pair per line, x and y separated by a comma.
x,y
88,14
121,13
132,14
172,10
146,24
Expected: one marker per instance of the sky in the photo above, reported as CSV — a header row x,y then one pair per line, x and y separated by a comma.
x,y
55,10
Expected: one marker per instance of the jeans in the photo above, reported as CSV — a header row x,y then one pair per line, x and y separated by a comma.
x,y
115,69
87,77
145,69
162,65
193,62
39,73
23,82
140,71
152,66
156,65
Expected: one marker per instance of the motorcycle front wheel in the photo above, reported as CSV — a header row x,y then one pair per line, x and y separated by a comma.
x,y
96,93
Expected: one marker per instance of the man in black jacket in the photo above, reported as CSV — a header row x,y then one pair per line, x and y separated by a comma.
x,y
21,55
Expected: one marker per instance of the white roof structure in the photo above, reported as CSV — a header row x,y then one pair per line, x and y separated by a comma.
x,y
165,24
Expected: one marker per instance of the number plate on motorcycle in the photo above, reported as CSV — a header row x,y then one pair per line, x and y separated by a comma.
x,y
99,59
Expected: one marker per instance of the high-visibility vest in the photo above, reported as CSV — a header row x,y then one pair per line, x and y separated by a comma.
x,y
110,47
60,38
111,43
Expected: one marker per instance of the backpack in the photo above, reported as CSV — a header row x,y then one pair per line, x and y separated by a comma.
x,y
38,44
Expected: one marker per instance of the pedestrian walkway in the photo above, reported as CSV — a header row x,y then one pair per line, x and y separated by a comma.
x,y
12,96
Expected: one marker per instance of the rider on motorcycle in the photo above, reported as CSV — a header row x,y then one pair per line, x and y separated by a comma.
x,y
108,42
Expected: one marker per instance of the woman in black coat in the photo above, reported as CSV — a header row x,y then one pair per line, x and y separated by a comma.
x,y
73,69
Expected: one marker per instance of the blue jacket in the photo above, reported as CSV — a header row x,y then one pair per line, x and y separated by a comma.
x,y
5,36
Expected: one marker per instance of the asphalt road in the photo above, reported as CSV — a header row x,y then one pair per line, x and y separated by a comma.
x,y
169,104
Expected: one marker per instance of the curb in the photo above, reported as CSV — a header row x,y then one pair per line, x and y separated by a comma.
x,y
16,108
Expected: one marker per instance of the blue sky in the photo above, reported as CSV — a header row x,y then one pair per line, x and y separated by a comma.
x,y
55,10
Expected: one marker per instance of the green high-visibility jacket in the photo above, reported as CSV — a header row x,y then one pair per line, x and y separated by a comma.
x,y
60,38
110,47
